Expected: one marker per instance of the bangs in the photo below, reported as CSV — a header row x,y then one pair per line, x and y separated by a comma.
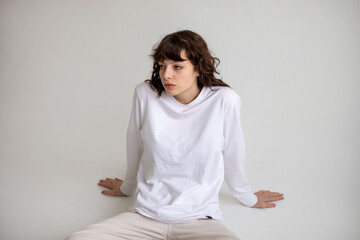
x,y
170,49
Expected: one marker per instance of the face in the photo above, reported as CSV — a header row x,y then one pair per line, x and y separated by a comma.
x,y
179,79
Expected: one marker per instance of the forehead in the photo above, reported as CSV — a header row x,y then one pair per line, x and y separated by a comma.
x,y
173,56
175,59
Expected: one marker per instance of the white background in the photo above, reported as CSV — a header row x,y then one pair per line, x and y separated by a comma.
x,y
67,74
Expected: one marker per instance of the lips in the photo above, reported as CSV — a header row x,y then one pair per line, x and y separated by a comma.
x,y
169,85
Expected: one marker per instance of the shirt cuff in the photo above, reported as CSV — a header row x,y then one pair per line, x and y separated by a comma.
x,y
250,201
127,188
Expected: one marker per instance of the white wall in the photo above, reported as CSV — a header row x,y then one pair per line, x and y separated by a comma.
x,y
67,74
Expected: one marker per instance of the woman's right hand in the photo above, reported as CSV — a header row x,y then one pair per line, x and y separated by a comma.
x,y
265,197
112,184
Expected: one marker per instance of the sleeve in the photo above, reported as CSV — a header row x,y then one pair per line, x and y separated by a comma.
x,y
134,147
234,154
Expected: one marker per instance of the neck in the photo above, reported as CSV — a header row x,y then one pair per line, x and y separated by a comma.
x,y
188,98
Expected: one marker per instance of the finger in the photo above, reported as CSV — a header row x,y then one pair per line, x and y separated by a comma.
x,y
263,191
108,180
106,184
268,205
104,181
264,205
273,194
273,198
118,179
108,192
270,195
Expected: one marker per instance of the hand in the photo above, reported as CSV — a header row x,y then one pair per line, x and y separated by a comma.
x,y
265,197
114,185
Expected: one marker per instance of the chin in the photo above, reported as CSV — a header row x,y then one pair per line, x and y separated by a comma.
x,y
170,92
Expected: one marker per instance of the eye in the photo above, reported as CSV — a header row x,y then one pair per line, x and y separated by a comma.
x,y
177,67
161,66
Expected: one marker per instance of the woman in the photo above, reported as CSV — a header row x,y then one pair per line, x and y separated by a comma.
x,y
184,137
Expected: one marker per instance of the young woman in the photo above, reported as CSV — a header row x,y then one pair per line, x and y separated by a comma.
x,y
184,137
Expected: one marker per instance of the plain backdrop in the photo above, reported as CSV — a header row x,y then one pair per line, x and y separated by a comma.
x,y
68,71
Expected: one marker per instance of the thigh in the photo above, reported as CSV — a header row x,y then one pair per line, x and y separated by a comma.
x,y
127,225
209,229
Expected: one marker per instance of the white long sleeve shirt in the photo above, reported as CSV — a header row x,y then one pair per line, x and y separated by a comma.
x,y
178,154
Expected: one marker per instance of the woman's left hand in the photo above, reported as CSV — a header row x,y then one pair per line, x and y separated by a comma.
x,y
265,197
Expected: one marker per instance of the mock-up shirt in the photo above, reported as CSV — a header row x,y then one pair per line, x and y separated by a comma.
x,y
179,154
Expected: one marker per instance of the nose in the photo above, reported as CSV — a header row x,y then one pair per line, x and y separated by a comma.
x,y
167,73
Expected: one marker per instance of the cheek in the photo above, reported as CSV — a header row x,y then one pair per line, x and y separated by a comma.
x,y
191,78
161,75
187,77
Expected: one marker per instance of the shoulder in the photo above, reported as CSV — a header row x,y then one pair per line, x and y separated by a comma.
x,y
225,94
144,90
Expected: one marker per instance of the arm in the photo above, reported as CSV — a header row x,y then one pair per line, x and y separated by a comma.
x,y
234,153
127,187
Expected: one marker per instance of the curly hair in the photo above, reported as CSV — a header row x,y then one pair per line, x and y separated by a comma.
x,y
196,51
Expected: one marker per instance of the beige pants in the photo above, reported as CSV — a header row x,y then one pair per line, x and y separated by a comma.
x,y
131,225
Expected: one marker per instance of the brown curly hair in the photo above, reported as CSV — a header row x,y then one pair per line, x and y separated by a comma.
x,y
196,51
